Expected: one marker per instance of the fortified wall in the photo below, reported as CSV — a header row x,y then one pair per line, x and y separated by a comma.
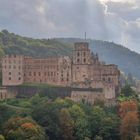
x,y
84,73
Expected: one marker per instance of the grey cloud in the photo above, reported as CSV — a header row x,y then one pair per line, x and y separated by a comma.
x,y
71,18
133,29
128,11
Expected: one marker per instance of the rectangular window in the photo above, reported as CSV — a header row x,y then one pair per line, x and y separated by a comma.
x,y
39,74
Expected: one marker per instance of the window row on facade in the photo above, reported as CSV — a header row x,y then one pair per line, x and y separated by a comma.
x,y
12,67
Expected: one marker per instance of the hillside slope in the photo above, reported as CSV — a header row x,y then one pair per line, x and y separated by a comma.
x,y
127,60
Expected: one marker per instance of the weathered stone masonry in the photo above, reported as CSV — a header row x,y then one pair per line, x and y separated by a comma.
x,y
83,71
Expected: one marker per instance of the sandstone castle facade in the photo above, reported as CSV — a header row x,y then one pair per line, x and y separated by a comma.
x,y
89,78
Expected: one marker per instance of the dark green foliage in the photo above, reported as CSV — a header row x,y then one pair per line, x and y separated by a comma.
x,y
82,130
61,119
47,115
130,80
5,114
128,91
66,124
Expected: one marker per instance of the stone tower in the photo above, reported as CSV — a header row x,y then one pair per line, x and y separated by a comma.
x,y
81,62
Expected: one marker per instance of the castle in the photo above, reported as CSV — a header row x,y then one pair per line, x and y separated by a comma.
x,y
89,78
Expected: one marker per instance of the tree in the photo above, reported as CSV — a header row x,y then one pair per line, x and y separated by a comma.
x,y
128,112
128,91
109,129
5,114
66,124
127,106
129,126
82,129
95,120
18,128
2,137
130,79
47,115
98,138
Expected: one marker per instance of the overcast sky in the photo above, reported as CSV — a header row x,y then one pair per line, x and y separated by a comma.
x,y
113,20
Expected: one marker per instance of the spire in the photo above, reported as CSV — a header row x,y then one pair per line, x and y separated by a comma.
x,y
85,36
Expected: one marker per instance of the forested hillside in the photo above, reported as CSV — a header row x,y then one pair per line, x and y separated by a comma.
x,y
15,44
127,60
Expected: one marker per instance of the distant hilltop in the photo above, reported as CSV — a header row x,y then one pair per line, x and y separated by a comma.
x,y
127,60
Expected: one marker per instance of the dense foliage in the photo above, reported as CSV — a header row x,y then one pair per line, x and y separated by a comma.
x,y
41,118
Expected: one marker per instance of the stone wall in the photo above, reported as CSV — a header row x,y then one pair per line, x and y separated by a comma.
x,y
29,91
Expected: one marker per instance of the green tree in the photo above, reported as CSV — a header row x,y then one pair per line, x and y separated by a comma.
x,y
128,91
82,130
110,127
5,114
66,124
130,80
95,120
18,128
47,115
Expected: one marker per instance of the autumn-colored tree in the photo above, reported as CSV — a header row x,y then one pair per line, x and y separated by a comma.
x,y
128,111
66,124
18,128
127,106
129,126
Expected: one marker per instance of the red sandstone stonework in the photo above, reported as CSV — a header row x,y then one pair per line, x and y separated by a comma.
x,y
84,70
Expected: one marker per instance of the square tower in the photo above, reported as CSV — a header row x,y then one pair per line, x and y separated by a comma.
x,y
81,62
81,53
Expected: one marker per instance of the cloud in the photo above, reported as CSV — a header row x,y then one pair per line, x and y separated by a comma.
x,y
114,21
128,10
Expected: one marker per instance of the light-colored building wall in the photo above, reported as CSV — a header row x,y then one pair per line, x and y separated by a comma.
x,y
12,70
87,96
